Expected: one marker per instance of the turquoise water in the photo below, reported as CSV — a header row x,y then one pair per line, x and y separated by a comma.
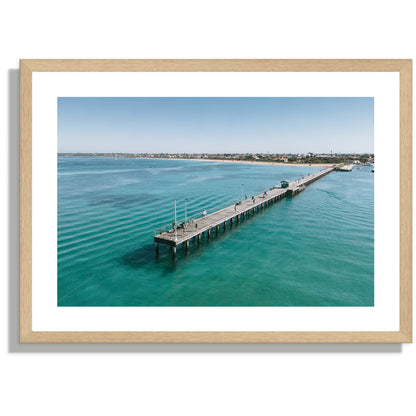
x,y
316,249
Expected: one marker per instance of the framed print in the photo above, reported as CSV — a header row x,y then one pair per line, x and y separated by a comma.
x,y
215,201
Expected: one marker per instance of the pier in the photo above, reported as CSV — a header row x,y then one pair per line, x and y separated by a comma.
x,y
232,215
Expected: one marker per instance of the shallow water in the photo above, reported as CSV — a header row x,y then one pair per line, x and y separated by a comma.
x,y
316,249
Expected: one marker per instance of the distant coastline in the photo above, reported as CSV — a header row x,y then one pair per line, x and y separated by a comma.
x,y
248,162
318,160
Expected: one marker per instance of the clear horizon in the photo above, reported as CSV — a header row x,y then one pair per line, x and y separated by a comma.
x,y
216,125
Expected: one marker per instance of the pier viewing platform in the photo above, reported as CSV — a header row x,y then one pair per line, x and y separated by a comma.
x,y
233,214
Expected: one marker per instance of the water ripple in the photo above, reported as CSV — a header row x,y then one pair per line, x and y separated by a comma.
x,y
314,249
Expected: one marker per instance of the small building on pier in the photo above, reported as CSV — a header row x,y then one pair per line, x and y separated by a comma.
x,y
284,183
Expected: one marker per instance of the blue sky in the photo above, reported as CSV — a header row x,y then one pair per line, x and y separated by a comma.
x,y
216,125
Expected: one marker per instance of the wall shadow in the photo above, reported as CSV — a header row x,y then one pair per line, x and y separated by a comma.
x,y
13,208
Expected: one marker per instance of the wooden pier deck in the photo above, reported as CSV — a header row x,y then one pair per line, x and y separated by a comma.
x,y
307,180
233,214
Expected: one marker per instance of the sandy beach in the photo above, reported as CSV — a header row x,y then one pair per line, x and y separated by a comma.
x,y
318,165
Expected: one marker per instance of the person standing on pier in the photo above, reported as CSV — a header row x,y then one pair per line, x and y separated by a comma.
x,y
204,213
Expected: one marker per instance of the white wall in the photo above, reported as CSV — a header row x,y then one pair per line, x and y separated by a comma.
x,y
219,379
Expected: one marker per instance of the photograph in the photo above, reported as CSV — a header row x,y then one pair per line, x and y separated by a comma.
x,y
215,201
194,222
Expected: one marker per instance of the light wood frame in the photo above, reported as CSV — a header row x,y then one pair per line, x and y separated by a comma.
x,y
404,67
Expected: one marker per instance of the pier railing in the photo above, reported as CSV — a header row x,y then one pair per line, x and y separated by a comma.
x,y
169,227
165,228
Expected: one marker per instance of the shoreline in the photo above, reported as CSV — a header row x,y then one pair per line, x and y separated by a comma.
x,y
251,162
247,162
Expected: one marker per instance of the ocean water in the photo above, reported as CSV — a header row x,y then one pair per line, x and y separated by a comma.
x,y
315,249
